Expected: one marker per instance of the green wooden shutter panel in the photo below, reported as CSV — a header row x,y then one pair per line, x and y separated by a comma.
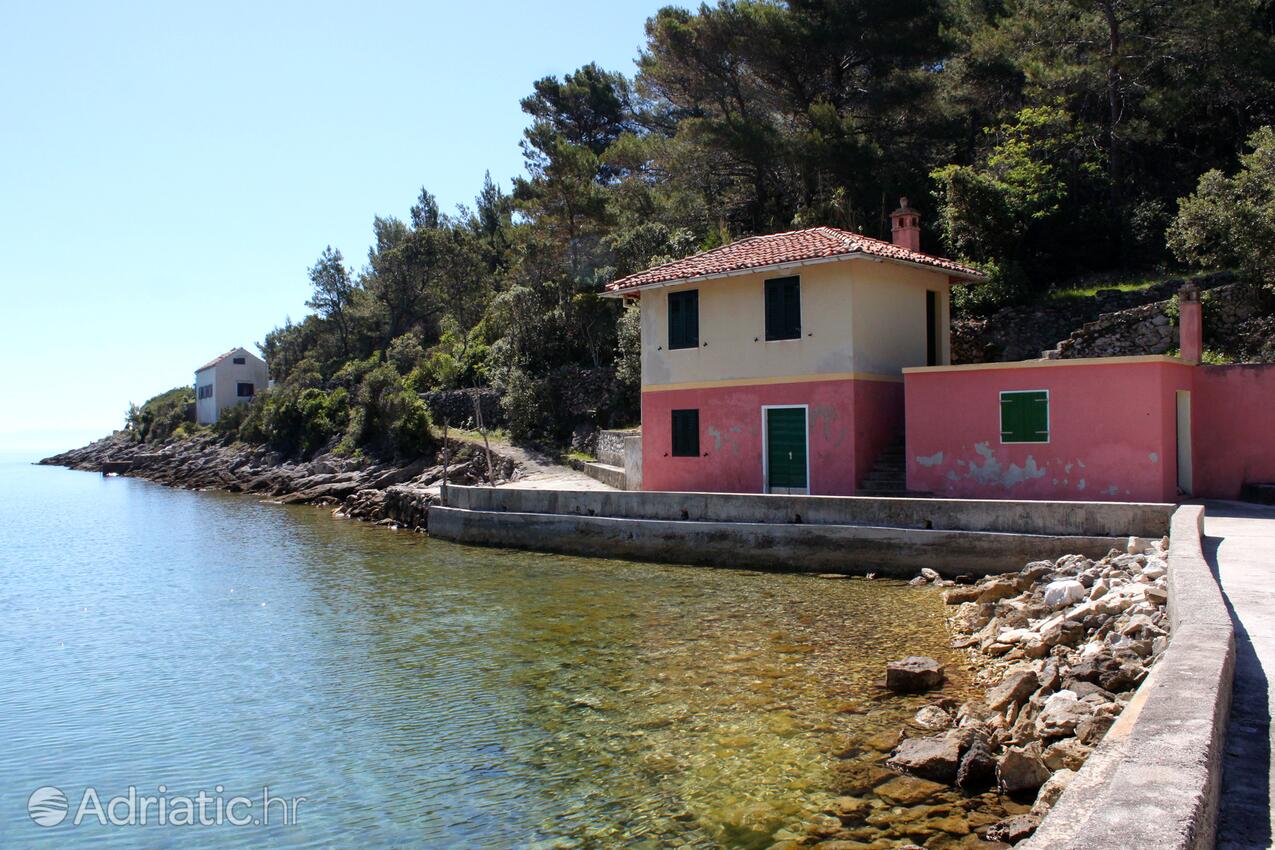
x,y
685,433
683,319
783,308
1025,417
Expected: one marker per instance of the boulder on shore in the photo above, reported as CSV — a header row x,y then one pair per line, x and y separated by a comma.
x,y
936,758
913,674
1021,769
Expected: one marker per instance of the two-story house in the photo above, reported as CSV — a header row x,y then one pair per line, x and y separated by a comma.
x,y
233,378
774,364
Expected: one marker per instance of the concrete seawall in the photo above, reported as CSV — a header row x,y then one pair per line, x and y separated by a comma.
x,y
807,533
808,548
1153,783
1089,519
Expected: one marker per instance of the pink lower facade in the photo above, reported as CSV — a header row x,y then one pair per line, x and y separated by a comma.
x,y
1125,429
849,423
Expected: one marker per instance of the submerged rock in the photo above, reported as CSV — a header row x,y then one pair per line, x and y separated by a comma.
x,y
1013,829
913,674
936,758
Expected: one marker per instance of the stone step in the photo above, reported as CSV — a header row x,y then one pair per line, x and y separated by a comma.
x,y
612,476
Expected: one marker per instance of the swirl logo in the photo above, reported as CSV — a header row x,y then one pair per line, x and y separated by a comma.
x,y
47,806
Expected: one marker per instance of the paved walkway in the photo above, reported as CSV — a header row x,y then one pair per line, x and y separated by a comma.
x,y
1240,546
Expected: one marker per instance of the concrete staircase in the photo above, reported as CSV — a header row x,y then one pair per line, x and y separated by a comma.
x,y
888,476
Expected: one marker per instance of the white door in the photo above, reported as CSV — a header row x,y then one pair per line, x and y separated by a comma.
x,y
1185,483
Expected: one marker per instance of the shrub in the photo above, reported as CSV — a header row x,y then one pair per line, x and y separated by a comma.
x,y
388,419
161,416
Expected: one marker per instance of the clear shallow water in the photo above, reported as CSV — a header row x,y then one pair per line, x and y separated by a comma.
x,y
415,692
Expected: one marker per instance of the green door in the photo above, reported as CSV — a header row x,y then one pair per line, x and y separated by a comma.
x,y
786,449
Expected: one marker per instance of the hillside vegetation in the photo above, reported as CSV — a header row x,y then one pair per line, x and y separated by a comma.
x,y
1044,140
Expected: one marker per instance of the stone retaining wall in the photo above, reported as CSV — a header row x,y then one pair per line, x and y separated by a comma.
x,y
1093,519
610,448
1153,783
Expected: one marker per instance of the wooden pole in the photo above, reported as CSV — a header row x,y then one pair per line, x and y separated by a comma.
x,y
478,415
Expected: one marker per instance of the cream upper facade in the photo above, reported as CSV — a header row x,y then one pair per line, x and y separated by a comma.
x,y
233,378
860,317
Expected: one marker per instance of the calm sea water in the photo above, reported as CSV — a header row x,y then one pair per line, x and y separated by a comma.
x,y
415,692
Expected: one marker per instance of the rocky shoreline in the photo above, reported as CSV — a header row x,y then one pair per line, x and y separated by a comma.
x,y
1059,647
359,487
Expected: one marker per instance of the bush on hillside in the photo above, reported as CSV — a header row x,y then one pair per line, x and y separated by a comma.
x,y
1229,222
161,417
388,419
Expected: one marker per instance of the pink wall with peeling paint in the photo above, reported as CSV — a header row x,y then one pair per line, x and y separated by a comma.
x,y
849,422
1234,428
1112,432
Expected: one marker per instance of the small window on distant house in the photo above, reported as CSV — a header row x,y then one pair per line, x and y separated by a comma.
x,y
683,319
783,308
1025,417
245,390
685,433
239,361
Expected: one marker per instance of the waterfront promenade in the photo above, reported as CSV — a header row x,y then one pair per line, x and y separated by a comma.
x,y
1240,546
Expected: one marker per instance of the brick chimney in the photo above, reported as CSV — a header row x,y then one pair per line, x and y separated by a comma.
x,y
1190,323
905,227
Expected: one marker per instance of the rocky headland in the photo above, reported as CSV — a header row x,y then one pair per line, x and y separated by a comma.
x,y
357,486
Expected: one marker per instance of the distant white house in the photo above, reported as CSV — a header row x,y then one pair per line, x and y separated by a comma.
x,y
233,378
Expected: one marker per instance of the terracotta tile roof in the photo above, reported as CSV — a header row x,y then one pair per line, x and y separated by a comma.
x,y
759,252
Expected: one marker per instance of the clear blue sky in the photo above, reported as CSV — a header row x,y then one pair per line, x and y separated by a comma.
x,y
168,171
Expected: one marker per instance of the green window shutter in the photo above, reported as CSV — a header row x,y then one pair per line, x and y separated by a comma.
x,y
685,433
783,308
1025,417
683,319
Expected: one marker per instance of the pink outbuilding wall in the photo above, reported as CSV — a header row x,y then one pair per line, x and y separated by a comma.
x,y
1234,416
1112,431
849,423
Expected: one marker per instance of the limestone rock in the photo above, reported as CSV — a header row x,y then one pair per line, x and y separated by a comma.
x,y
913,674
1013,829
998,589
1061,714
936,758
1067,754
961,594
1051,791
1021,770
1060,594
932,718
908,790
977,771
1017,686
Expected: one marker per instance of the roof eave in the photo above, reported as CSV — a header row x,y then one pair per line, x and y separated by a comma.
x,y
967,276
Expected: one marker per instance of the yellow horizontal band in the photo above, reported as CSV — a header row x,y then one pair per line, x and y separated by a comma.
x,y
785,379
1032,364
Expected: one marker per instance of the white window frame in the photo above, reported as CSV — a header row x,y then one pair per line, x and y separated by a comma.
x,y
765,443
1049,419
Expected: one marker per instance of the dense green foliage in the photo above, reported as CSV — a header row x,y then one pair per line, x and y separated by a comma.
x,y
1044,138
162,416
1230,221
